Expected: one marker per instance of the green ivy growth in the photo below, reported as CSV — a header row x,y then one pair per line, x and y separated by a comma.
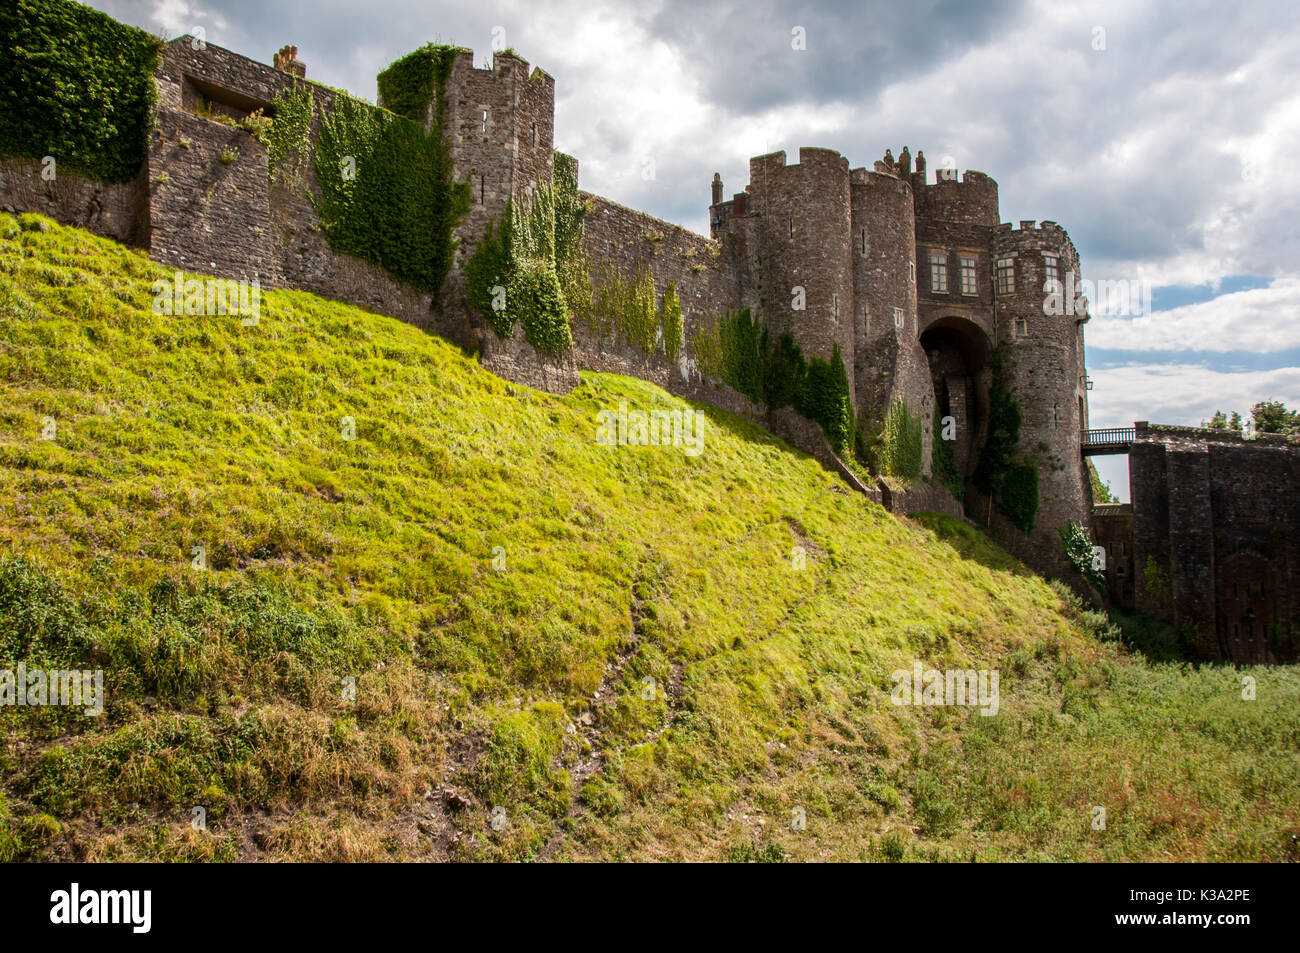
x,y
628,307
943,463
512,276
825,399
897,450
1011,481
387,194
741,345
410,84
570,243
670,318
1078,550
288,140
738,350
78,86
1101,492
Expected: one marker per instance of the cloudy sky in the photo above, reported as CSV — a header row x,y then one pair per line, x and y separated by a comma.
x,y
1161,135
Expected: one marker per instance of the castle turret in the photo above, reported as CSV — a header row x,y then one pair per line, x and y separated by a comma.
x,y
717,188
889,363
806,264
1040,322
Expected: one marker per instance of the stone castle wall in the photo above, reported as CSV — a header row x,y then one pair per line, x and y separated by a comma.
x,y
1216,539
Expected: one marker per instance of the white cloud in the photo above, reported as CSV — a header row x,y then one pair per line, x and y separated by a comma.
x,y
1259,320
1183,394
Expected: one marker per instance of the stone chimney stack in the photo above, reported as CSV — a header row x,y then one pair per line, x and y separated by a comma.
x,y
287,60
717,188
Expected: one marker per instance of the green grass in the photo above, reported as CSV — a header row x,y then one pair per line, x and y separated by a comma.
x,y
523,685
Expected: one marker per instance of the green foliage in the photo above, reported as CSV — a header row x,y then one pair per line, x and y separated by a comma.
x,y
670,319
628,307
386,192
1101,492
77,85
408,85
898,449
825,399
520,258
570,246
1079,551
1012,481
1272,416
1269,416
488,268
740,341
785,375
1017,493
288,139
943,462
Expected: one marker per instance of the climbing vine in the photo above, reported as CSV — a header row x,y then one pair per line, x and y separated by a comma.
x,y
78,86
1010,480
897,450
288,139
670,319
1079,552
825,399
943,462
408,85
387,195
512,277
570,245
627,307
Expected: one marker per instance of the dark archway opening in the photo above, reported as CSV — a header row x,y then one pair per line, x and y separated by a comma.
x,y
958,353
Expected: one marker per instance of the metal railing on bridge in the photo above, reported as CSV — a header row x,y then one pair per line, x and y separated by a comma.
x,y
1108,440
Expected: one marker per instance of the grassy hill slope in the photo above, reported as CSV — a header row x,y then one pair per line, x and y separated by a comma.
x,y
500,589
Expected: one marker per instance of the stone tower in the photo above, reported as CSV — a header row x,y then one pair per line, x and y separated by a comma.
x,y
804,220
1041,333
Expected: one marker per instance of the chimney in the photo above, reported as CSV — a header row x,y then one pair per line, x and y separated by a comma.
x,y
287,60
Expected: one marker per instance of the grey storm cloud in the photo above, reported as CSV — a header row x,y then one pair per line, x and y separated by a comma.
x,y
744,52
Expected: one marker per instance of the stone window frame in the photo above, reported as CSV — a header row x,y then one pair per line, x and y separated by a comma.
x,y
968,267
1005,276
938,272
900,321
1020,327
911,272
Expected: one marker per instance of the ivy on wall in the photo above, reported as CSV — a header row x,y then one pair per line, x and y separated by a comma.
x,y
1011,480
512,277
670,319
943,462
76,85
825,399
409,85
737,349
387,195
532,270
627,307
898,449
570,242
1078,550
288,138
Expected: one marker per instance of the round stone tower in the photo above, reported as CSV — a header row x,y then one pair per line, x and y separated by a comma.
x,y
806,264
1039,325
890,364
